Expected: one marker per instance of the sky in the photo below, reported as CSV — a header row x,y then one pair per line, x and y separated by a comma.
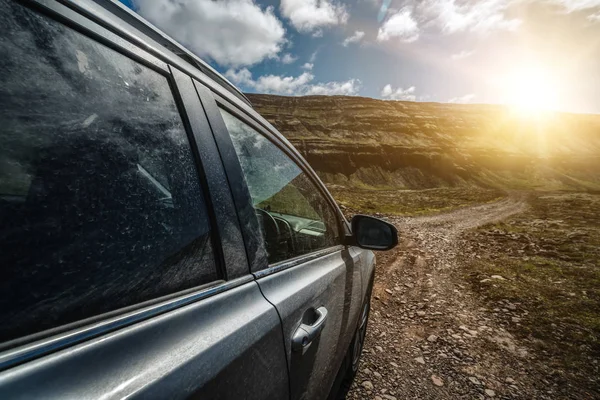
x,y
532,53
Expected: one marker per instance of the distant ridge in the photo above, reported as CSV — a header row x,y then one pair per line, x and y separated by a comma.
x,y
361,141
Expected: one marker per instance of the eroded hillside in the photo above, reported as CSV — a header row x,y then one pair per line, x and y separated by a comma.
x,y
363,142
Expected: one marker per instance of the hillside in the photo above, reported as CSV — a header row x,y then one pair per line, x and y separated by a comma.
x,y
368,143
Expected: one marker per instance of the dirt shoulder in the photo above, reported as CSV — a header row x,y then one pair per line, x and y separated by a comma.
x,y
433,336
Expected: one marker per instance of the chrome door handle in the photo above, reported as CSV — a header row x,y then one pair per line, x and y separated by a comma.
x,y
305,334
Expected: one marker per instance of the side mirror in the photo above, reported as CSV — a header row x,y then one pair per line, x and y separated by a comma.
x,y
372,233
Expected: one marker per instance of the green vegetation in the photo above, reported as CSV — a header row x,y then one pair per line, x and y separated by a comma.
x,y
549,257
410,202
291,200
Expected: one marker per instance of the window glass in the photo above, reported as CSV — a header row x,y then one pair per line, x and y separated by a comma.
x,y
100,204
293,215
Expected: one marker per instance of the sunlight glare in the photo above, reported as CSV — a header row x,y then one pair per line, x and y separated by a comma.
x,y
531,90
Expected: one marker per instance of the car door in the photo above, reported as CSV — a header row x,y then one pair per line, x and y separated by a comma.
x,y
311,278
124,271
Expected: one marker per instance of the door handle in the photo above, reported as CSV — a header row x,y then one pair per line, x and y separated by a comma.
x,y
305,334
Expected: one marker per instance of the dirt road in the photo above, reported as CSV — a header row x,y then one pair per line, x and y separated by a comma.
x,y
429,335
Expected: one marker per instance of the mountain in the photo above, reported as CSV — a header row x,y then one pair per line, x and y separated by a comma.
x,y
369,143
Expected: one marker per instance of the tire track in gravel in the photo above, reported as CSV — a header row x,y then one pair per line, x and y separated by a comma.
x,y
428,337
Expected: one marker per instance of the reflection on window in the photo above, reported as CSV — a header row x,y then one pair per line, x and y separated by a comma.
x,y
99,196
294,216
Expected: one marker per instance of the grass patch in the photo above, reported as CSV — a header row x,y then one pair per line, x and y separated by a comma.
x,y
410,202
549,257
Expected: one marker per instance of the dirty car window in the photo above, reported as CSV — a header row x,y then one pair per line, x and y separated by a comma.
x,y
293,215
100,202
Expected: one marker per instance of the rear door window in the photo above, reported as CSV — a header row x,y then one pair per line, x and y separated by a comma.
x,y
100,202
294,216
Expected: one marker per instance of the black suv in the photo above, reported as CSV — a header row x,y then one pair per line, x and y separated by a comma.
x,y
158,238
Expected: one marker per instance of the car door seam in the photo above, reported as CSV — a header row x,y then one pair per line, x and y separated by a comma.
x,y
282,336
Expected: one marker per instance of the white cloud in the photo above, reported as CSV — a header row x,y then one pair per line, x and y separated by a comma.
x,y
239,77
581,5
281,84
577,5
398,94
313,56
462,54
288,58
348,88
594,17
308,66
467,98
400,25
292,86
356,37
481,16
230,32
309,15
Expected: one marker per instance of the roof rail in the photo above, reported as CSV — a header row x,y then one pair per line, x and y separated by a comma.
x,y
147,28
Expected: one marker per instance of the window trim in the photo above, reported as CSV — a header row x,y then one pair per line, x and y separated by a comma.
x,y
37,344
256,254
28,348
226,226
298,260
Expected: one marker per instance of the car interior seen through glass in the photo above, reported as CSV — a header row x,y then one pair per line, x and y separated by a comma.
x,y
294,217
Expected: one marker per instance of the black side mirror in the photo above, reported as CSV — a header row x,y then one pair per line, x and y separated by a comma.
x,y
372,233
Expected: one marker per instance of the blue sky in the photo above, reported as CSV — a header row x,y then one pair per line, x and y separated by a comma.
x,y
534,53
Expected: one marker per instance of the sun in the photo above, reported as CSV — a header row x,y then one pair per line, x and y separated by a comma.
x,y
531,90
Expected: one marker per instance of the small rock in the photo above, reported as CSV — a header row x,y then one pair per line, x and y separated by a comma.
x,y
388,291
377,375
388,397
467,330
490,392
420,360
499,277
379,349
367,385
432,338
421,313
437,381
510,381
393,364
474,380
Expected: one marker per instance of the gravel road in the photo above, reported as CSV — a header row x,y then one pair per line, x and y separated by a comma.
x,y
429,336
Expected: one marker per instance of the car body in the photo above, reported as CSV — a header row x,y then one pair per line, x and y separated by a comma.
x,y
159,238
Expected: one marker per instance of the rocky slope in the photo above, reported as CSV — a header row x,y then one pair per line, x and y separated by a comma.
x,y
364,142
